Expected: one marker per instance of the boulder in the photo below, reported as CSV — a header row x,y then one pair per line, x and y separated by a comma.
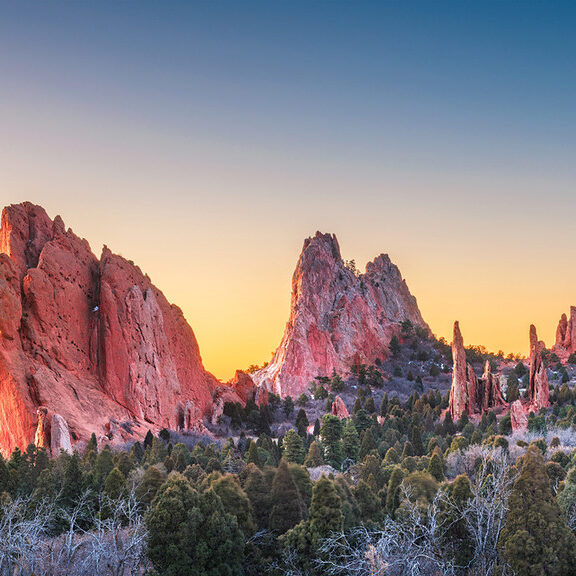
x,y
339,408
518,416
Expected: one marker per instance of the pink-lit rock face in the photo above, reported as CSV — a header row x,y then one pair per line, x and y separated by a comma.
x,y
336,318
339,408
518,417
91,340
538,389
468,393
566,336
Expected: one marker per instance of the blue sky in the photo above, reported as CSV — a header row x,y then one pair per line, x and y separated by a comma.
x,y
205,140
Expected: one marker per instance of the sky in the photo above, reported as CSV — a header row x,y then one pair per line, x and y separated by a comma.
x,y
207,140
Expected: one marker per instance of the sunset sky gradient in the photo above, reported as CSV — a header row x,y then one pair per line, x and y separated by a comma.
x,y
206,140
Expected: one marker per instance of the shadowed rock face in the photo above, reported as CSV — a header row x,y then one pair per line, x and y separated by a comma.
x,y
336,317
566,336
468,393
92,341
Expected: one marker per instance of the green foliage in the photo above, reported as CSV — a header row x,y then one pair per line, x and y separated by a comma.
x,y
192,534
536,538
293,447
287,505
314,457
331,434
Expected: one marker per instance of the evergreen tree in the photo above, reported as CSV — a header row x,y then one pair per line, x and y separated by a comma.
x,y
258,491
293,447
73,483
536,538
393,493
302,423
368,444
436,467
287,506
235,502
331,432
192,534
253,455
115,484
314,457
350,441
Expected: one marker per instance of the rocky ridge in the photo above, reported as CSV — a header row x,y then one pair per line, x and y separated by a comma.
x,y
87,344
337,317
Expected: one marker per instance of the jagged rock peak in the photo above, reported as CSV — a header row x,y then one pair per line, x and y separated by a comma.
x,y
337,317
468,393
566,336
93,340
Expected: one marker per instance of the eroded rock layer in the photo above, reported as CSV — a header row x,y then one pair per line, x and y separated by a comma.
x,y
90,341
337,317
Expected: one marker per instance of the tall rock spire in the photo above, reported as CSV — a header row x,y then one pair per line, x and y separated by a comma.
x,y
538,389
337,317
468,393
566,336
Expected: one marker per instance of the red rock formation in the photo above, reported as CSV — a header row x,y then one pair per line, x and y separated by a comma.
x,y
538,390
566,336
336,317
491,390
59,436
518,417
42,436
92,340
339,408
468,393
243,385
463,397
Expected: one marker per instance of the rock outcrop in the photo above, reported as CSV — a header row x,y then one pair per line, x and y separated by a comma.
x,y
91,340
538,389
518,417
337,317
566,336
60,436
468,393
339,408
245,388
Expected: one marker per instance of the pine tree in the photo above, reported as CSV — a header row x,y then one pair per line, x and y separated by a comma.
x,y
253,455
258,492
350,441
536,538
314,457
302,423
368,444
115,484
287,506
293,447
331,433
436,467
235,502
393,493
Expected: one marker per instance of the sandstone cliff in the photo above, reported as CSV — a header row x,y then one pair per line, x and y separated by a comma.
x,y
91,341
337,317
